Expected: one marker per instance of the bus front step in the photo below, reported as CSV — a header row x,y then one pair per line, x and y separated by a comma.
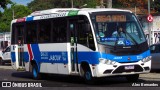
x,y
21,69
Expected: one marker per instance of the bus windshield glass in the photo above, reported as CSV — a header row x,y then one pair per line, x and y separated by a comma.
x,y
117,28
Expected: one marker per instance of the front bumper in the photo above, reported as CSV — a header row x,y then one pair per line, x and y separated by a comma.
x,y
103,70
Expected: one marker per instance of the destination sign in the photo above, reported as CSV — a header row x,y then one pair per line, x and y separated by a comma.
x,y
111,18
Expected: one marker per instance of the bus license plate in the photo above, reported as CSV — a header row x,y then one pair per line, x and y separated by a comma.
x,y
129,67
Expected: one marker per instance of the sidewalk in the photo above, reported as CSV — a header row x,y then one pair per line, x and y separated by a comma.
x,y
151,76
6,67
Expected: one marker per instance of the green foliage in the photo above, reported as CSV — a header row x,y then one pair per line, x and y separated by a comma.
x,y
7,16
37,5
21,11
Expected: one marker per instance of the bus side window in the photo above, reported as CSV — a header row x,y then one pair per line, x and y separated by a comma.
x,y
13,34
31,35
44,31
59,32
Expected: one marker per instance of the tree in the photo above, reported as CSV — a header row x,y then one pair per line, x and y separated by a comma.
x,y
156,5
3,3
37,5
7,16
141,4
129,3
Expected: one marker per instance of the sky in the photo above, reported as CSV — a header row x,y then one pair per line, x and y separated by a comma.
x,y
23,2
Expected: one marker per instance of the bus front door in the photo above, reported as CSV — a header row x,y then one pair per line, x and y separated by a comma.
x,y
20,42
73,50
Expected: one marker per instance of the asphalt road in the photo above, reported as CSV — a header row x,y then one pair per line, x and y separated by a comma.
x,y
7,74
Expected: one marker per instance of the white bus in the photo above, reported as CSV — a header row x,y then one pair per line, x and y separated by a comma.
x,y
80,42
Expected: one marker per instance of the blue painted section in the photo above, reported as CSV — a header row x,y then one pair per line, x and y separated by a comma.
x,y
93,57
90,57
29,18
36,51
36,54
26,57
124,59
13,57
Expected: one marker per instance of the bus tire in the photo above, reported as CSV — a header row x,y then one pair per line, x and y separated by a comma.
x,y
36,75
89,79
132,78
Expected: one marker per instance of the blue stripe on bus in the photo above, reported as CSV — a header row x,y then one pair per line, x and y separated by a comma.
x,y
90,57
35,51
29,18
36,54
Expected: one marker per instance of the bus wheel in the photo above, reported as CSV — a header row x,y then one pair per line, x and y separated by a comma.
x,y
35,73
132,78
88,76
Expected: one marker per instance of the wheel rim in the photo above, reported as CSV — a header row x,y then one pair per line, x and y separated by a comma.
x,y
34,72
88,75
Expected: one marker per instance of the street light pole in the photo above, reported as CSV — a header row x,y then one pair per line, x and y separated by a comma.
x,y
149,23
13,14
72,3
149,7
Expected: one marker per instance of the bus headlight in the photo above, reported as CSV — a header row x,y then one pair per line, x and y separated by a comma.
x,y
146,59
106,61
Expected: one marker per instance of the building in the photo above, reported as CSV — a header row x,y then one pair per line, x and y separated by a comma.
x,y
5,40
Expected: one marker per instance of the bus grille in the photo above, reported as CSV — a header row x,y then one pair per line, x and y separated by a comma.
x,y
121,69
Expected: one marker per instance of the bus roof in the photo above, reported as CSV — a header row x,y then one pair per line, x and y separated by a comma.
x,y
61,12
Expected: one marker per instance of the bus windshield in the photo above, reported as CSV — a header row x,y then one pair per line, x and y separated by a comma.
x,y
117,28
